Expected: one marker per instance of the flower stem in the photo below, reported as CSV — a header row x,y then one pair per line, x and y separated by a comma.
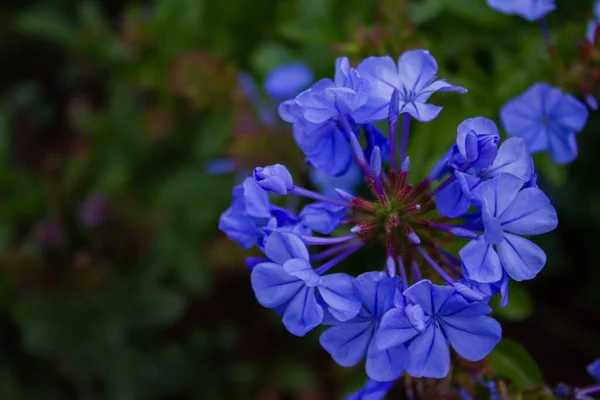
x,y
336,260
588,390
309,240
405,132
317,196
435,265
549,44
332,251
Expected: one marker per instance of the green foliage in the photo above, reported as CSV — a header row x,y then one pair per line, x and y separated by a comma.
x,y
512,361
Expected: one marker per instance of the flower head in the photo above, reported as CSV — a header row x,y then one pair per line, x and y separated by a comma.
x,y
415,77
547,119
393,318
531,10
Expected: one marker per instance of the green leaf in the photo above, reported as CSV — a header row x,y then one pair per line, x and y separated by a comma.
x,y
47,25
512,361
421,12
556,174
518,308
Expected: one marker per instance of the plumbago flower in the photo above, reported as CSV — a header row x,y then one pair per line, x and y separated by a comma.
x,y
547,119
391,318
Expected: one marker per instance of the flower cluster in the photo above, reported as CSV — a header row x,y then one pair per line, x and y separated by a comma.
x,y
422,299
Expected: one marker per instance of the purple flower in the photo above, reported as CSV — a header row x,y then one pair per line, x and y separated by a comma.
x,y
546,118
512,158
288,283
326,99
325,146
274,178
434,316
250,210
351,341
531,10
372,390
287,80
508,212
415,77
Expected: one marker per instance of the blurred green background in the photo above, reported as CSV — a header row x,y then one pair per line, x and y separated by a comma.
x,y
114,280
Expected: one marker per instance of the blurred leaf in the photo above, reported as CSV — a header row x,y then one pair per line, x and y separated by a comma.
x,y
512,361
475,11
47,25
545,166
424,11
270,55
518,308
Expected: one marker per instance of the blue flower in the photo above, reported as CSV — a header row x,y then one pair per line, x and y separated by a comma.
x,y
507,212
349,342
249,212
531,10
415,77
326,184
594,369
546,118
325,145
288,283
512,158
372,390
274,178
326,99
322,217
287,80
434,316
477,141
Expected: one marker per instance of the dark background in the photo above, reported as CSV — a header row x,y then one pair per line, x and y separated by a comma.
x,y
114,280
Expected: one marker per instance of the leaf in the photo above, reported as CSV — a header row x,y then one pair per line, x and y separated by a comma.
x,y
47,25
512,361
554,173
421,12
518,308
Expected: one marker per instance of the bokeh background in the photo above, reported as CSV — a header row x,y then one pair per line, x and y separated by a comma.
x,y
115,282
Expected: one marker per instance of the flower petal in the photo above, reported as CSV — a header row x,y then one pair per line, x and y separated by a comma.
x,y
376,291
429,296
272,285
302,270
337,292
281,247
451,201
529,214
348,343
394,329
416,69
429,355
481,261
513,158
472,338
385,365
496,194
521,258
303,313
